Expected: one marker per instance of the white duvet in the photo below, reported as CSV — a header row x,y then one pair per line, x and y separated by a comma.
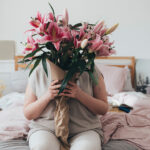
x,y
11,99
129,98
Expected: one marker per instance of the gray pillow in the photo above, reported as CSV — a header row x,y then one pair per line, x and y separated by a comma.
x,y
18,80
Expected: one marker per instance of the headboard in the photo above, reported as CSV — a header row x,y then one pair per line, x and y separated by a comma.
x,y
20,65
111,60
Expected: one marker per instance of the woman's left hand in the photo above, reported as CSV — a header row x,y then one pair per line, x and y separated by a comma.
x,y
72,90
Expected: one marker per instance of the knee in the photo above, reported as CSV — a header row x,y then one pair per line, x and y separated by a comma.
x,y
44,146
40,147
85,146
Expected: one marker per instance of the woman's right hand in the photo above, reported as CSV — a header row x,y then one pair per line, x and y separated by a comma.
x,y
53,90
33,107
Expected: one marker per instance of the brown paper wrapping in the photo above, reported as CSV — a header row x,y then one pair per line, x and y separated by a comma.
x,y
61,116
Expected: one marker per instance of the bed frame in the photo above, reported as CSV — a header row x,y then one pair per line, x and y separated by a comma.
x,y
111,60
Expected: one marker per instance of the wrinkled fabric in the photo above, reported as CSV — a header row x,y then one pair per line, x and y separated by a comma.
x,y
133,127
13,124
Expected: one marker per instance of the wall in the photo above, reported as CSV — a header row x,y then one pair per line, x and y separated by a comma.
x,y
132,38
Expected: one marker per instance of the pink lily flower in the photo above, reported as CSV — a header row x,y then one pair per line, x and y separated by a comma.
x,y
82,34
74,33
103,51
77,43
98,27
40,18
81,37
67,33
65,18
54,34
42,29
102,32
51,16
31,44
96,44
30,30
112,51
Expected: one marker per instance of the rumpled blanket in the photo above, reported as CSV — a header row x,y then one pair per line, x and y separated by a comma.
x,y
13,124
133,127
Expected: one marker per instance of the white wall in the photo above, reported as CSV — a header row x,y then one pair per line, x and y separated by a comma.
x,y
132,38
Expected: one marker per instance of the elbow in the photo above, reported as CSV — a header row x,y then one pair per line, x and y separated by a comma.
x,y
27,115
104,110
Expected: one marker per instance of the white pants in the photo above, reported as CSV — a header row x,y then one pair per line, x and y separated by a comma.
x,y
44,140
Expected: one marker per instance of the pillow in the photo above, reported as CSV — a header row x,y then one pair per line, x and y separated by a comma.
x,y
128,83
114,78
19,80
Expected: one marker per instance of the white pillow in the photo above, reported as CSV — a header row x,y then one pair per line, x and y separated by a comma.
x,y
19,81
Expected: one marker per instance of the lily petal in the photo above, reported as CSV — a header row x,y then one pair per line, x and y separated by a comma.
x,y
39,16
57,45
35,23
99,26
65,18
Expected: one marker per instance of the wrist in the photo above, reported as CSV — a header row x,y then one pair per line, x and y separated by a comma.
x,y
46,98
80,95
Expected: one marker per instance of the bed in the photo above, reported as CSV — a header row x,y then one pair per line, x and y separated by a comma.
x,y
115,123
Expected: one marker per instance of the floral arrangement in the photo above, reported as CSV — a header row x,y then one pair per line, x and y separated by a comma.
x,y
71,47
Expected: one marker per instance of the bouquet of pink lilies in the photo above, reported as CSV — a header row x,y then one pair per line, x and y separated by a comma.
x,y
70,50
71,47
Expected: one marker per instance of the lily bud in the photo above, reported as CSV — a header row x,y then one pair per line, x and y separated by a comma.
x,y
112,29
84,43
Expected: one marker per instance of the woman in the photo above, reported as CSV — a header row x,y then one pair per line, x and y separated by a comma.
x,y
86,101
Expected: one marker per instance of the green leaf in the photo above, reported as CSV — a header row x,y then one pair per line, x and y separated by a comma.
x,y
23,61
52,10
76,25
35,65
50,46
93,78
68,76
33,53
44,64
29,64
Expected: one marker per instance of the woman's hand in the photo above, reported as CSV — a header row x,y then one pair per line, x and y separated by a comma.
x,y
72,90
33,107
53,90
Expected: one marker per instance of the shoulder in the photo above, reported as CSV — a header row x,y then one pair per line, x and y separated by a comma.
x,y
35,73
